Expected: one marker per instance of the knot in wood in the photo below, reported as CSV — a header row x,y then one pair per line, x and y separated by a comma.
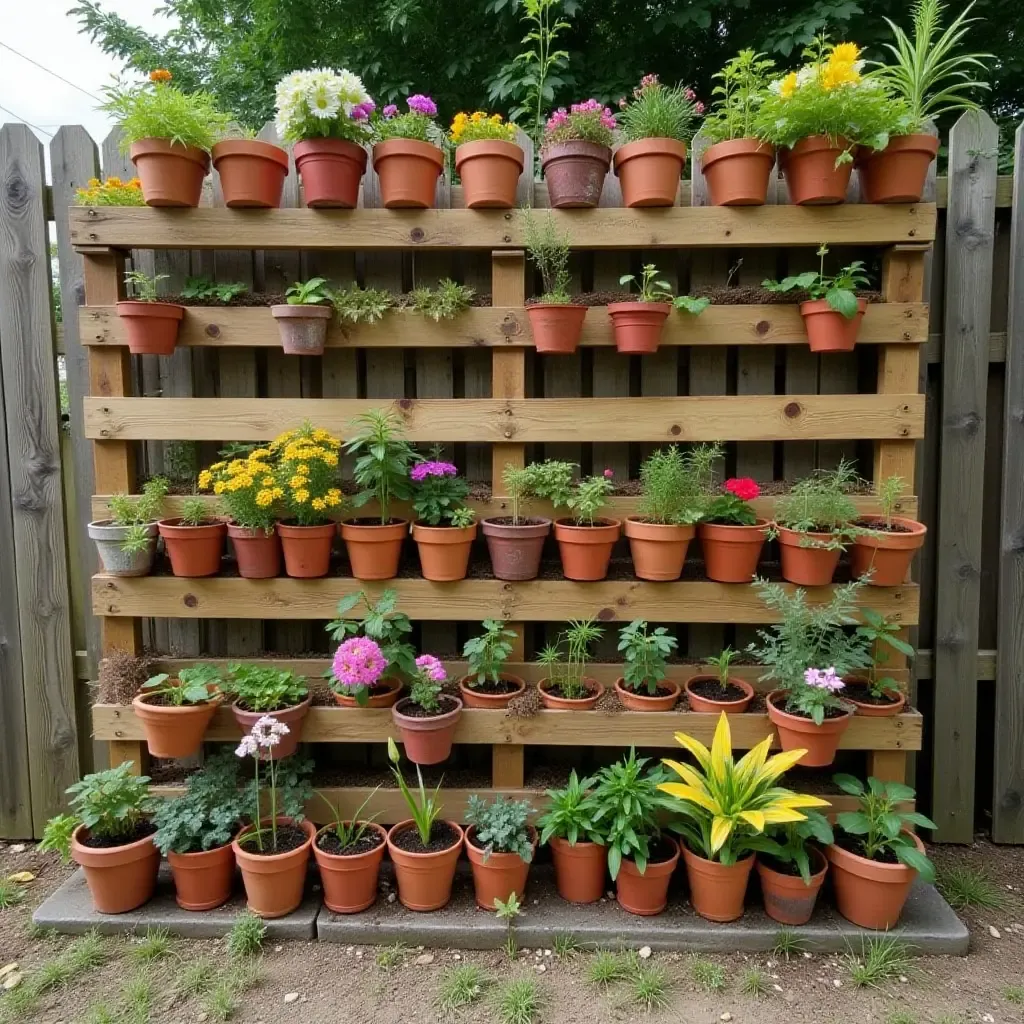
x,y
16,193
675,430
510,326
792,410
405,404
969,423
762,327
190,601
606,614
416,235
506,238
212,330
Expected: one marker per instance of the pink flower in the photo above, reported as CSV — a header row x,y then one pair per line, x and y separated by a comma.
x,y
743,487
422,470
824,679
431,668
420,104
362,111
609,473
689,93
358,662
698,107
648,80
390,111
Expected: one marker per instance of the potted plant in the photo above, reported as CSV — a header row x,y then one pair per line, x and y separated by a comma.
x,y
637,323
445,527
424,848
516,542
487,159
575,152
731,535
252,171
792,867
150,326
175,712
811,713
407,154
261,690
876,857
126,542
383,457
884,546
877,695
566,686
109,834
348,853
112,191
500,846
487,684
426,719
714,693
642,685
577,844
556,322
303,317
326,115
194,541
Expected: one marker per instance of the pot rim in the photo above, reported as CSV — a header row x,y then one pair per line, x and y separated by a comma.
x,y
635,305
812,306
408,823
872,870
595,686
500,148
602,523
510,677
734,680
655,867
252,148
109,524
699,861
162,310
678,531
200,853
575,148
557,305
785,531
408,147
175,527
79,850
816,876
271,858
140,699
814,144
727,148
917,531
303,311
443,534
279,711
350,857
349,524
444,718
562,841
912,141
469,844
295,530
830,724
249,532
496,528
338,147
761,526
154,144
620,684
651,145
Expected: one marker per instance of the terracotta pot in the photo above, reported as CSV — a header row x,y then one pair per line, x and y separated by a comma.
x,y
586,550
374,551
151,327
658,549
120,878
897,174
811,173
887,555
731,553
350,882
498,876
574,172
709,706
827,329
515,550
716,891
495,701
174,731
193,550
427,740
408,171
171,175
866,710
804,563
252,172
303,328
274,883
641,700
795,732
869,893
556,326
649,171
646,894
787,899
203,880
579,869
257,552
379,700
109,538
565,703
737,171
331,170
307,549
637,325
444,551
424,879
293,717
490,171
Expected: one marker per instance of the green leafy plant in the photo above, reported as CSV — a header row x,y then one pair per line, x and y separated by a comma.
x,y
882,959
206,289
153,946
193,512
424,808
646,652
652,287
821,503
488,652
355,305
518,484
500,826
674,482
553,480
688,304
425,688
445,301
439,493
570,813
245,940
791,843
415,123
264,688
308,293
460,986
737,97
381,622
195,685
890,492
548,248
880,632
142,286
838,290
659,111
788,944
350,832
706,974
383,457
567,673
138,513
722,664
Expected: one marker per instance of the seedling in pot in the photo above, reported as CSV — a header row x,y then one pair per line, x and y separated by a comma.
x,y
652,287
351,833
675,481
548,249
263,688
195,685
424,807
585,498
194,513
821,503
204,289
646,652
488,652
838,290
143,286
313,292
722,663
567,674
138,513
383,457
790,844
880,632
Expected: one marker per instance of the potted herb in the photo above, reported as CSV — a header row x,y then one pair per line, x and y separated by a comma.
x,y
575,152
426,719
110,192
556,322
500,846
731,535
407,154
637,323
792,867
109,834
568,826
516,542
488,160
642,685
303,317
261,690
194,541
126,542
445,527
150,326
348,853
877,695
446,301
252,171
487,684
884,546
176,712
566,686
876,857
713,693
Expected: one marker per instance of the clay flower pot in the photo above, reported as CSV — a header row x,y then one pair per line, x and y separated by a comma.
x,y
716,891
887,554
811,174
787,899
555,703
374,551
515,550
391,690
586,550
712,706
424,879
574,172
331,170
303,328
556,326
444,551
203,880
889,708
428,740
350,880
408,171
151,327
193,550
293,717
641,700
827,329
489,170
174,731
257,552
737,171
646,894
803,561
658,549
251,172
579,869
120,878
476,698
649,171
795,732
637,325
498,876
171,175
274,882
731,553
109,537
897,174
307,549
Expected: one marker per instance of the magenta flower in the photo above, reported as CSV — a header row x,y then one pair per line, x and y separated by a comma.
x,y
689,93
390,111
358,662
431,668
420,104
824,679
362,111
609,473
422,470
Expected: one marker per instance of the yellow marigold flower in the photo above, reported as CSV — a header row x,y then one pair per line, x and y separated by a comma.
x,y
329,458
788,87
218,465
303,469
333,499
205,479
219,487
496,118
301,496
113,182
259,453
264,498
134,183
319,504
278,492
845,53
93,183
160,75
297,481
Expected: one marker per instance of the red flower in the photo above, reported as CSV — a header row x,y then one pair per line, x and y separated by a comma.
x,y
609,473
743,487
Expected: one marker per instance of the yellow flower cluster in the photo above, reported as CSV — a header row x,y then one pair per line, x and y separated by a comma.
x,y
480,126
160,75
248,488
306,464
112,192
841,67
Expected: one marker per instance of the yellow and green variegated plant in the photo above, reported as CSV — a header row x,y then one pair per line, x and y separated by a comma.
x,y
727,804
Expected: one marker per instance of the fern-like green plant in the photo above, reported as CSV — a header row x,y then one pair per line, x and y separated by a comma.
x,y
443,302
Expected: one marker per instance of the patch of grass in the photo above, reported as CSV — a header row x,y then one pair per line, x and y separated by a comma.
x,y
900,1017
196,978
606,967
246,937
1014,994
100,1013
155,945
787,943
460,986
648,988
754,983
38,933
517,1001
707,976
11,893
136,1000
565,946
880,960
391,956
86,953
222,1001
17,1004
247,974
49,975
968,887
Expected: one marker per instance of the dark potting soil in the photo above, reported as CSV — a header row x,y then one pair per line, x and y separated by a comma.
x,y
596,524
663,690
273,299
329,843
854,844
141,830
720,295
780,703
882,526
410,710
442,837
659,851
781,866
710,689
861,692
509,521
371,521
289,837
489,686
557,691
378,690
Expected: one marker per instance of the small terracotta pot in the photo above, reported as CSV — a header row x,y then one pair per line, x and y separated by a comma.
x,y
811,173
803,562
579,869
737,171
293,717
489,170
109,538
731,553
565,703
638,325
171,175
379,700
427,740
252,172
795,732
494,701
787,899
649,171
274,883
408,171
374,551
716,891
120,878
641,700
193,550
708,706
556,327
866,710
574,172
887,555
174,731
350,882
444,551
646,894
658,549
203,880
827,329
586,550
151,327
498,876
424,879
331,170
515,550
897,174
303,328
869,893
307,549
257,552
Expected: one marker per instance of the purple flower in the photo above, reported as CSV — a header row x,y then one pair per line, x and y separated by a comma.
x,y
824,679
420,104
358,662
422,470
390,111
431,668
609,473
362,111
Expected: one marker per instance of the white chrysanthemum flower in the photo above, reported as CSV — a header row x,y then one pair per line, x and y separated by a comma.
x,y
805,74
